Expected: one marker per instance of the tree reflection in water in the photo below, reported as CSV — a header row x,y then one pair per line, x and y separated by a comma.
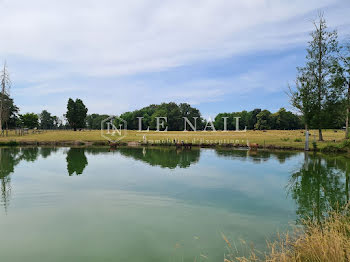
x,y
9,159
320,185
163,157
76,161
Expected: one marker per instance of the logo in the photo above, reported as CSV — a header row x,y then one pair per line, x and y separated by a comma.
x,y
114,128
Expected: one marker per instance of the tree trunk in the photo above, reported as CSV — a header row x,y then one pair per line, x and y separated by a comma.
x,y
320,136
1,105
347,184
347,113
319,83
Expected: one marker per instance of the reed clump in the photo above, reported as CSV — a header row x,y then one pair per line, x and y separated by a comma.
x,y
327,241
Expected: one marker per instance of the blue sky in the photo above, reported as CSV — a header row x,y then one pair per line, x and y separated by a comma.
x,y
220,56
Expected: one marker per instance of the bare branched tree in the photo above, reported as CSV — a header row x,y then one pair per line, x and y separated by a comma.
x,y
5,92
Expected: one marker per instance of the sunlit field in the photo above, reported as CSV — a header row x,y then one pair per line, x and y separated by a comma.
x,y
277,138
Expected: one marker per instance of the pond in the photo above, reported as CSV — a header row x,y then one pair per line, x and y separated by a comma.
x,y
157,204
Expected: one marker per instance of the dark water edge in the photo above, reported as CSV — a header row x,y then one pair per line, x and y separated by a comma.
x,y
103,143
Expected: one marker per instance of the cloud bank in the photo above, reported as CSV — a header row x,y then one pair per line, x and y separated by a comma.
x,y
52,46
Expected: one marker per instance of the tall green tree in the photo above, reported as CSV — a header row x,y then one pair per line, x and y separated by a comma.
x,y
10,111
317,71
47,121
29,120
76,113
285,120
263,120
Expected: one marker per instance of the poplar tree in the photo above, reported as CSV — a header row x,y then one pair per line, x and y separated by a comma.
x,y
321,56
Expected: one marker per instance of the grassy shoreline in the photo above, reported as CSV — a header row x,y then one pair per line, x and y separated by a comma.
x,y
317,241
270,139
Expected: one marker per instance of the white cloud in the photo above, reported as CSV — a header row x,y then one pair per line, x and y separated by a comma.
x,y
101,50
105,37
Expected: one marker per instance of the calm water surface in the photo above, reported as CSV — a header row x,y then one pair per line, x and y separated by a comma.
x,y
142,204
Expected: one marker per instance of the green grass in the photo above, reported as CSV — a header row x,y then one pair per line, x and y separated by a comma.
x,y
269,138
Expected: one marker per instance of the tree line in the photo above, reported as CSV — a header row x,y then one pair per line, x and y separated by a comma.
x,y
256,119
76,117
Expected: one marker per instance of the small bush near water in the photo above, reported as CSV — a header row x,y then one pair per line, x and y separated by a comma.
x,y
328,241
342,148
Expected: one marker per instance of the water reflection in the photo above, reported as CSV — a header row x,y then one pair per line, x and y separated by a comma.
x,y
256,156
76,161
9,159
163,157
320,185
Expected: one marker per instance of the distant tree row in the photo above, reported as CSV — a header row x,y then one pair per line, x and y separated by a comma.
x,y
260,120
172,111
175,113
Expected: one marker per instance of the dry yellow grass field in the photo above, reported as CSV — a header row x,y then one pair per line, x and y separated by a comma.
x,y
279,138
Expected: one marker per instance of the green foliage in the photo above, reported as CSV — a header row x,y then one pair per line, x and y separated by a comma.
x,y
76,113
173,112
47,121
257,119
93,121
314,95
298,140
29,120
9,111
284,119
264,120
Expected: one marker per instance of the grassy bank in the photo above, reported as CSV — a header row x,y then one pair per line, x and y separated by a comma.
x,y
328,241
280,139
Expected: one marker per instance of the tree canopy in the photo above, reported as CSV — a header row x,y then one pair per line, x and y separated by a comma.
x,y
29,120
76,113
315,95
47,121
